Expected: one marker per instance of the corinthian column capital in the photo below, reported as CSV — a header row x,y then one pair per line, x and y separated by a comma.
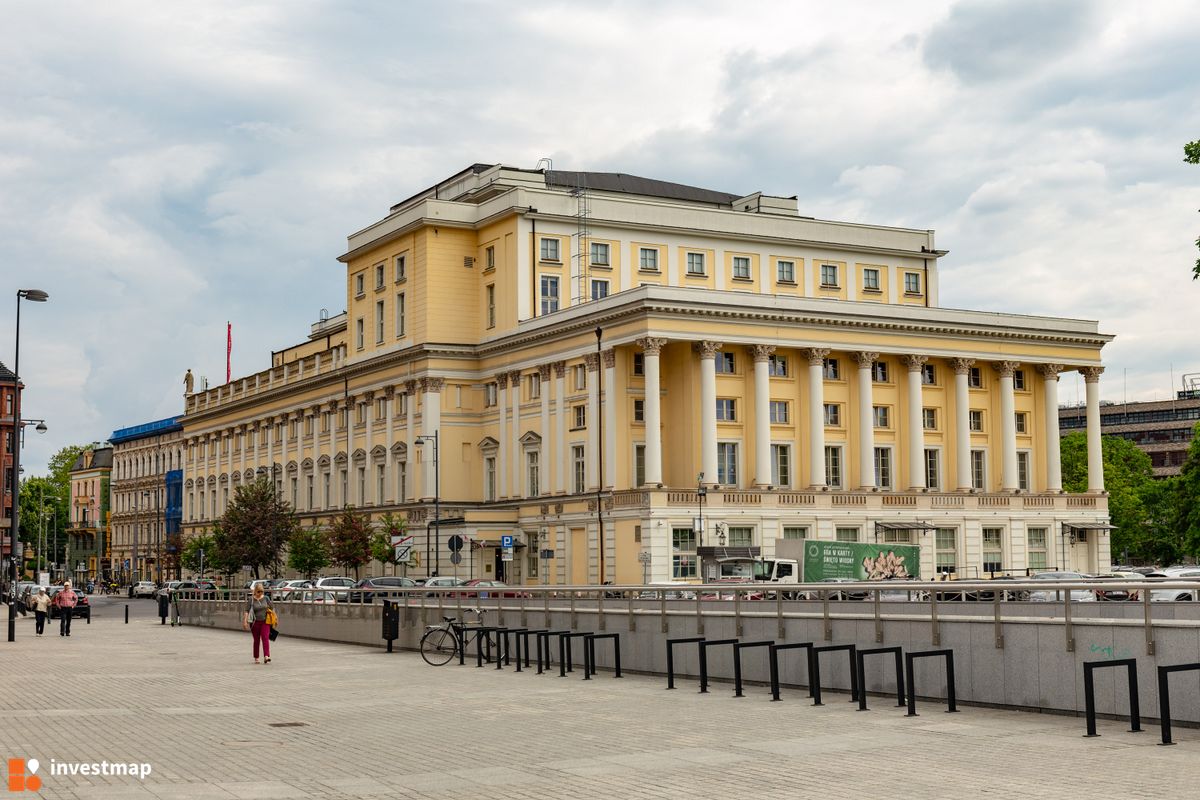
x,y
1092,374
1050,371
865,359
707,349
914,362
651,346
816,355
762,352
1006,368
962,366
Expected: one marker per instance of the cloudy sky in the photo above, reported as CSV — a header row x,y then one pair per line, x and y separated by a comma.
x,y
167,167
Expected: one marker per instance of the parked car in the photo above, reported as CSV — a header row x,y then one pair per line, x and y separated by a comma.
x,y
1119,594
144,589
323,596
83,608
488,584
336,582
1050,595
287,588
383,583
168,588
1178,595
443,582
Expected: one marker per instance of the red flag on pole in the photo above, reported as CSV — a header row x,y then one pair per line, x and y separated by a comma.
x,y
228,351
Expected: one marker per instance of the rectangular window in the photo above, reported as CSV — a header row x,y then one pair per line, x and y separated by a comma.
x,y
725,364
580,377
912,283
993,549
833,371
550,250
639,465
833,467
639,410
741,536
535,386
489,395
847,534
578,469
648,259
379,322
328,490
978,469
883,467
489,478
599,254
871,280
532,468
829,276
726,410
785,271
489,258
781,465
360,284
975,420
881,416
795,532
933,469
639,364
1036,537
549,284
741,268
727,463
532,556
779,412
1019,379
929,419
1023,470
308,490
777,366
946,547
599,289
683,553
1022,422
491,305
401,311
974,378
695,263
833,415
401,266
379,276
359,333
929,375
892,536
879,372
579,417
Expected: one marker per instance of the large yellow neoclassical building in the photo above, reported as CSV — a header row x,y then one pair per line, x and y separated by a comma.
x,y
635,378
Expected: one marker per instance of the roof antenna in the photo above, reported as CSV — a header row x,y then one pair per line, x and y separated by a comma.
x,y
549,162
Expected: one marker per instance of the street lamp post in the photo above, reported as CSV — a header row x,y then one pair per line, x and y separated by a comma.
x,y
701,494
437,499
36,296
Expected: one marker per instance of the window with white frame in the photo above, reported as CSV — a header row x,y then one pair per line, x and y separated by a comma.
x,y
491,305
833,466
879,372
795,532
975,377
912,283
401,312
489,257
1019,379
727,463
897,536
929,374
933,468
695,263
832,370
550,250
945,541
359,333
489,395
781,465
639,410
829,276
1023,470
379,276
360,281
726,409
881,415
1022,422
1036,550
599,289
549,293
929,419
993,549
639,465
777,366
379,322
532,556
978,469
580,371
532,473
327,482
871,280
785,271
578,469
400,263
883,467
779,412
724,363
599,254
975,420
846,534
741,268
380,484
648,259
683,553
489,478
833,415
535,386
740,536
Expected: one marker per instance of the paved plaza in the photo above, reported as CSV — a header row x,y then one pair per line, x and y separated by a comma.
x,y
360,723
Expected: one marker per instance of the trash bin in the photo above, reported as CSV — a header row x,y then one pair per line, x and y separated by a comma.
x,y
164,606
391,622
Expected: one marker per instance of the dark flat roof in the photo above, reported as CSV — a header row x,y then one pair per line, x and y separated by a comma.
x,y
632,184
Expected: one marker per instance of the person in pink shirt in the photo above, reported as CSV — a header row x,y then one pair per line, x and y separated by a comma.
x,y
66,601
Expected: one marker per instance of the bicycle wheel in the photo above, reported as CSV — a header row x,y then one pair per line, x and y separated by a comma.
x,y
438,646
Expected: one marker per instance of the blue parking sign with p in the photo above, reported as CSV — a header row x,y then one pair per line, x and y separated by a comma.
x,y
506,541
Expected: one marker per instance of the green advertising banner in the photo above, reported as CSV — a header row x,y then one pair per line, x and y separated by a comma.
x,y
860,562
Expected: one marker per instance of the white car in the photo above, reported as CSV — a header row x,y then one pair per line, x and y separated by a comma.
x,y
145,589
1051,595
339,583
1172,595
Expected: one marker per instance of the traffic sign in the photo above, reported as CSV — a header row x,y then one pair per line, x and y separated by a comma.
x,y
456,558
506,542
455,543
402,552
547,555
506,554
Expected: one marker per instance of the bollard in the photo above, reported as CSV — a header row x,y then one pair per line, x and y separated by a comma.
x,y
1089,694
862,675
814,670
775,648
1164,698
671,656
950,695
737,663
127,613
704,660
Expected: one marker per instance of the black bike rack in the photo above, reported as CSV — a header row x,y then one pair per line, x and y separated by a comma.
x,y
671,656
1089,693
704,660
565,657
505,655
543,643
523,637
775,648
952,706
1164,697
862,674
814,670
589,653
737,663
484,632
459,631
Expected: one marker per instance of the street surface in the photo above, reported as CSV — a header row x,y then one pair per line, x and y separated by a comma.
x,y
360,723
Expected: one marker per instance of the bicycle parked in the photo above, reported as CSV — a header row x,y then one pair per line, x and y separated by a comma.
x,y
440,643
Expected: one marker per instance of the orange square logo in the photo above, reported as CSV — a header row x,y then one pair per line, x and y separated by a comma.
x,y
19,780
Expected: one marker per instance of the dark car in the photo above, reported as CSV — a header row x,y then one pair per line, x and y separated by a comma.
x,y
384,583
83,608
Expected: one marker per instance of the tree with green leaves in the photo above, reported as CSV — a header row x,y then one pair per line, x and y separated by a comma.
x,y
381,544
191,558
350,540
1128,475
255,528
308,551
1191,155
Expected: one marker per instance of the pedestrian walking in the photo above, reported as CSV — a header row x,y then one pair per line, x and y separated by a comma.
x,y
65,600
258,618
41,607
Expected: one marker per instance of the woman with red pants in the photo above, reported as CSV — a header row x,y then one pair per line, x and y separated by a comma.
x,y
254,619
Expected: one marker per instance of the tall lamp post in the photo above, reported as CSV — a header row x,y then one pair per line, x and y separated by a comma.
x,y
36,296
437,502
701,493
